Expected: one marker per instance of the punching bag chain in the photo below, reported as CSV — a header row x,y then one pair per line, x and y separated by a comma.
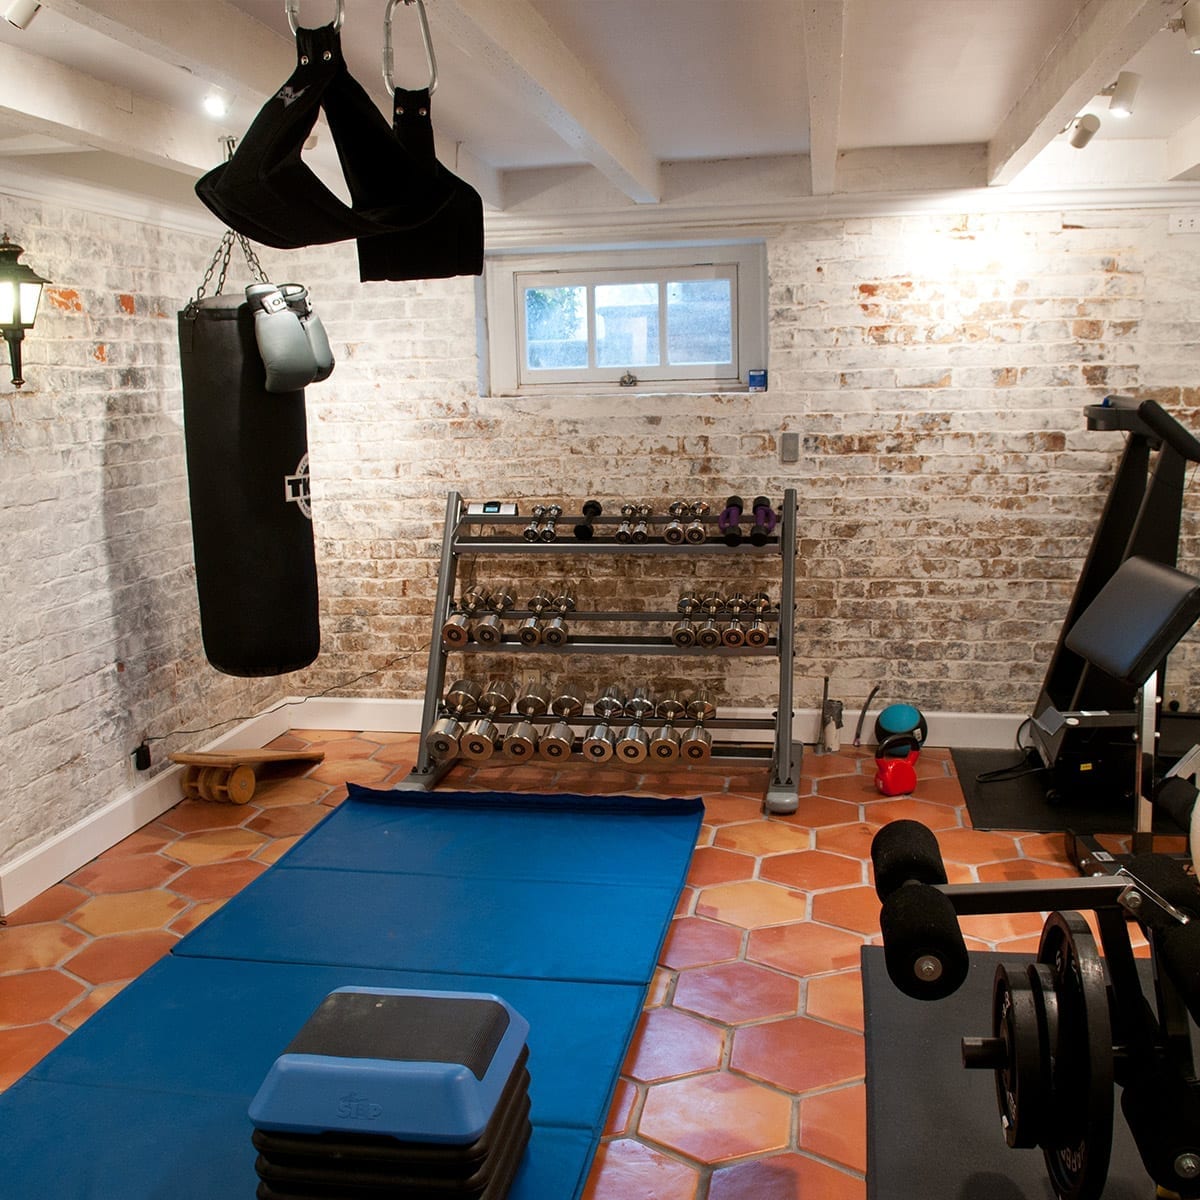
x,y
222,256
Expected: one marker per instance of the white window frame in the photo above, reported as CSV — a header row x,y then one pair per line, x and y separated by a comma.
x,y
506,277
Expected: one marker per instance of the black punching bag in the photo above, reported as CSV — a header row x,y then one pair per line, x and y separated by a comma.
x,y
247,458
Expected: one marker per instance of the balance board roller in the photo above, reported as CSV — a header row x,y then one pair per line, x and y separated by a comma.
x,y
390,1091
247,459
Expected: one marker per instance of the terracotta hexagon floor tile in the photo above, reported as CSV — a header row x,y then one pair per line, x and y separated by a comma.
x,y
91,1004
812,870
625,1097
881,810
751,904
124,912
216,881
35,947
975,847
837,999
624,1169
785,1177
121,956
722,810
288,821
316,739
354,770
853,839
148,840
850,908
820,810
21,1049
270,793
710,865
693,941
273,850
52,905
941,790
191,815
850,789
669,1043
716,1118
32,996
1044,847
805,948
128,873
216,845
353,747
1024,868
762,837
735,992
1001,927
823,766
798,1054
833,1125
198,913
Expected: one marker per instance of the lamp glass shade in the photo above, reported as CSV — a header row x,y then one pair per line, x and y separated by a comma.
x,y
20,289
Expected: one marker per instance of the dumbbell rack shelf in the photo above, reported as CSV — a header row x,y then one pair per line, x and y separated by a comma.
x,y
462,538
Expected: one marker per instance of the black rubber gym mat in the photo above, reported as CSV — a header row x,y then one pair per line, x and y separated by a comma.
x,y
933,1128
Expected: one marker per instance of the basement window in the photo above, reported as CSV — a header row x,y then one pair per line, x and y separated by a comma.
x,y
667,320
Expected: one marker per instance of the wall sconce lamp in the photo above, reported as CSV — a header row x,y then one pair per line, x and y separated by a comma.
x,y
20,294
1120,94
1083,129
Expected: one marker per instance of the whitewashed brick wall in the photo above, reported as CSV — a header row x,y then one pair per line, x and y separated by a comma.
x,y
935,368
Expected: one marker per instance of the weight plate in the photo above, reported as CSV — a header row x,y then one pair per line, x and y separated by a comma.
x,y
1078,1139
1021,1086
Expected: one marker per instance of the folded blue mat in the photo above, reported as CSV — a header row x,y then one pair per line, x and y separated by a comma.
x,y
557,903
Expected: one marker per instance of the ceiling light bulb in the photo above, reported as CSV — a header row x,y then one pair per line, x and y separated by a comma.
x,y
1124,90
1191,25
216,102
1085,130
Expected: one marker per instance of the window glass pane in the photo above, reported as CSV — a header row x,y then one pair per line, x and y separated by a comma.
x,y
627,325
555,327
699,321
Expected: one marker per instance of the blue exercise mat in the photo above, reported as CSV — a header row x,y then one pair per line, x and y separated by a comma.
x,y
558,904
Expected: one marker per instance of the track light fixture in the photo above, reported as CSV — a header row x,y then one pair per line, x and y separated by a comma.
x,y
1120,94
21,12
1083,130
1191,25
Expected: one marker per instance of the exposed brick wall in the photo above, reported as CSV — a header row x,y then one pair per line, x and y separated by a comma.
x,y
935,367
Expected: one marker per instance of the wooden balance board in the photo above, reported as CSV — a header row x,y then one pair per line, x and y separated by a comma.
x,y
229,775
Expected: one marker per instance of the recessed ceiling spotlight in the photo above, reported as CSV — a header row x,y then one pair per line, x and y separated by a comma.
x,y
21,12
1120,102
1085,130
216,102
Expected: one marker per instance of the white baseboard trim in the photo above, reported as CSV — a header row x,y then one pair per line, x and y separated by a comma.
x,y
26,876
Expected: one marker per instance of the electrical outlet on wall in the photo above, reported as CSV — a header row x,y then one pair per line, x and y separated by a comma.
x,y
1188,222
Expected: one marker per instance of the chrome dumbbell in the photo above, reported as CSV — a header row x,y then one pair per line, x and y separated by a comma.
x,y
683,632
457,629
599,742
673,530
586,529
533,531
708,635
664,741
625,529
566,704
757,633
529,632
695,531
696,744
641,529
554,631
549,530
521,740
634,743
489,630
483,734
445,735
734,634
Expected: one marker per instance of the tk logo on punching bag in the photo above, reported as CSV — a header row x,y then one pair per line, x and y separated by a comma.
x,y
295,488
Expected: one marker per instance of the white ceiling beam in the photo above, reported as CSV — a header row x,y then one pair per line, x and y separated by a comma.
x,y
514,42
1183,153
824,49
46,98
30,144
1102,37
213,40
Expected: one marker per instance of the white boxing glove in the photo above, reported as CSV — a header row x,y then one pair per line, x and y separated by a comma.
x,y
282,341
318,341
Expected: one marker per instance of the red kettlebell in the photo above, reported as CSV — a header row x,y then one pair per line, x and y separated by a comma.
x,y
896,764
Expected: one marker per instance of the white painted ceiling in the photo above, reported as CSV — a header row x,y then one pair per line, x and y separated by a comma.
x,y
886,96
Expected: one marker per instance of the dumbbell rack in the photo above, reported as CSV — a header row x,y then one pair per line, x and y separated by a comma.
x,y
473,534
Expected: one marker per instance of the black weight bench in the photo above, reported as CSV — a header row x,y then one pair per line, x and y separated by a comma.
x,y
1135,621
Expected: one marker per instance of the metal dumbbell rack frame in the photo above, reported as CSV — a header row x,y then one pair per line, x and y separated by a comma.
x,y
464,536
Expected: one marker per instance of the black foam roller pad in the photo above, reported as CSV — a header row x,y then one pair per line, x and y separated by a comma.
x,y
1179,953
904,851
920,930
247,460
1167,877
